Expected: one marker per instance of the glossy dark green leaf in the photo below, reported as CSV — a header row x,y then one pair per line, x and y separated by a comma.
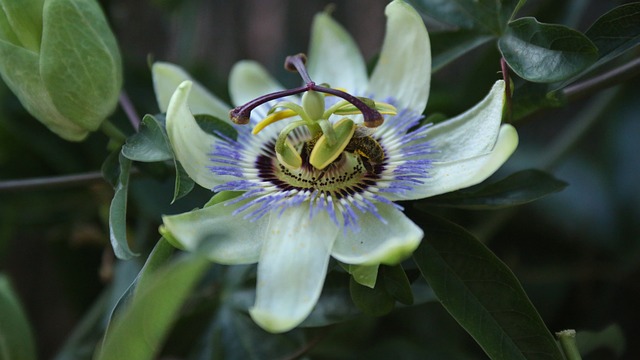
x,y
16,337
545,52
396,283
149,144
214,126
482,293
138,332
489,16
516,189
450,45
118,213
616,31
374,302
531,97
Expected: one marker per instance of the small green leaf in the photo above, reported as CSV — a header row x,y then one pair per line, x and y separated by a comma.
x,y
482,293
149,144
138,332
397,284
16,337
374,302
531,97
616,31
159,256
215,126
545,52
118,213
516,189
184,184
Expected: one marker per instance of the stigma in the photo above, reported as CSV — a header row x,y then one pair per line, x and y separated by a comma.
x,y
328,142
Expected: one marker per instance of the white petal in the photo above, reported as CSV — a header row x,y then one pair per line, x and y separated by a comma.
x,y
472,133
190,144
403,71
334,57
453,175
379,243
292,267
249,80
224,238
167,77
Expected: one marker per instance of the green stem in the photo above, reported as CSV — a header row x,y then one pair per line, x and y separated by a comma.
x,y
605,80
567,339
117,137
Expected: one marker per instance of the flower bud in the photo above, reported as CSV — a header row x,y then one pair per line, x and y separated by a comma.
x,y
62,61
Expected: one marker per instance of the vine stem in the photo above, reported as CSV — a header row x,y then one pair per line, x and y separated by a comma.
x,y
129,110
51,182
603,81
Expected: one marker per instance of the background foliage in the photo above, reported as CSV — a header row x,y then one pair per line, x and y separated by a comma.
x,y
576,253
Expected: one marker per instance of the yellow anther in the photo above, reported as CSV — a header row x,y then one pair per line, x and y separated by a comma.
x,y
324,154
276,116
383,108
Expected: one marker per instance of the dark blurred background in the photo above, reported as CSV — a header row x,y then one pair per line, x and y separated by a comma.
x,y
577,253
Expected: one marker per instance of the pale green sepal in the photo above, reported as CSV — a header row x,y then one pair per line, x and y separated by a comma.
x,y
167,77
19,70
292,267
445,177
218,234
80,63
471,133
334,57
249,80
403,71
191,145
377,242
24,18
365,275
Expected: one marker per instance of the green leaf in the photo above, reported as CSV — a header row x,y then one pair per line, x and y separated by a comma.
x,y
118,213
482,293
531,97
184,184
24,19
397,284
79,61
616,31
335,304
488,16
138,332
16,336
447,46
149,144
545,52
374,302
157,258
215,126
19,68
516,189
